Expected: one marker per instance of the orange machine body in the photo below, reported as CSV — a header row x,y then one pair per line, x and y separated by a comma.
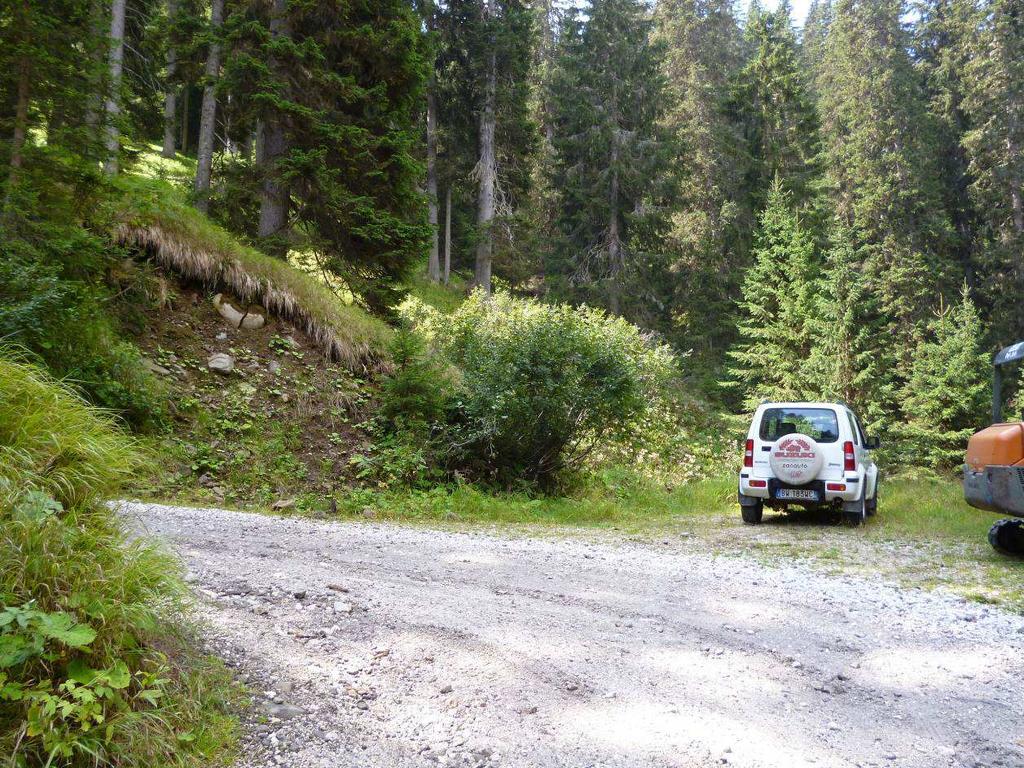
x,y
998,445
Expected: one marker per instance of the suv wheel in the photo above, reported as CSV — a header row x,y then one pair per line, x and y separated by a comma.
x,y
872,505
857,515
753,513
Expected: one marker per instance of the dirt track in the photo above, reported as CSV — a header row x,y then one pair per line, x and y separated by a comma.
x,y
383,646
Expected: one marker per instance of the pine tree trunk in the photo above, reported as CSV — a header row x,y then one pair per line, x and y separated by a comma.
x,y
97,28
486,171
20,118
434,266
547,56
1016,194
447,234
20,129
208,113
184,119
274,196
614,244
614,236
171,97
113,104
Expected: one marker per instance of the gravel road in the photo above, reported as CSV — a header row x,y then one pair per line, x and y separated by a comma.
x,y
383,646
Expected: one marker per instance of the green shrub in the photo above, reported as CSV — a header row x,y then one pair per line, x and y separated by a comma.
x,y
540,388
95,666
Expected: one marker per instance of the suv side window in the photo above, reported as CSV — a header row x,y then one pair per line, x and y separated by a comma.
x,y
858,439
860,431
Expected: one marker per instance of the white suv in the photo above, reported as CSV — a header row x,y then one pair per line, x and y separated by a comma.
x,y
808,454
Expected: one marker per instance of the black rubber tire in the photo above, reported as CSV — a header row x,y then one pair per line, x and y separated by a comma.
x,y
859,516
752,514
1007,537
873,502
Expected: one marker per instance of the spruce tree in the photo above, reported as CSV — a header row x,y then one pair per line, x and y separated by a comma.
x,y
607,97
946,398
777,308
51,67
884,185
708,237
994,104
778,117
337,89
812,42
465,38
941,51
843,363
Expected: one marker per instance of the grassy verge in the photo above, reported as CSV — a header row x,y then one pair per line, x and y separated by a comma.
x,y
924,535
97,662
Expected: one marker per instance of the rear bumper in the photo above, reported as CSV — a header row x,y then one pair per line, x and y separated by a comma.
x,y
996,489
853,492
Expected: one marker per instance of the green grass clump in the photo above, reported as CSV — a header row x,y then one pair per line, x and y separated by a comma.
x,y
444,298
96,665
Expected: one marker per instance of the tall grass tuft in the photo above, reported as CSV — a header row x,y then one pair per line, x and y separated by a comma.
x,y
53,442
96,665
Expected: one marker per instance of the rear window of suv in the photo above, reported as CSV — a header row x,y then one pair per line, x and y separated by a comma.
x,y
819,423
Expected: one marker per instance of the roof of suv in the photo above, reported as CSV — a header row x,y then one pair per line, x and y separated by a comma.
x,y
796,404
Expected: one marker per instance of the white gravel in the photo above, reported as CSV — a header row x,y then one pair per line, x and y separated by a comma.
x,y
383,646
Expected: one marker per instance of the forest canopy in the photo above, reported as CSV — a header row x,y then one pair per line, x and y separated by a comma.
x,y
834,210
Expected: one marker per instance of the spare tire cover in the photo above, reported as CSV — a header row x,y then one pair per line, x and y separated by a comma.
x,y
796,459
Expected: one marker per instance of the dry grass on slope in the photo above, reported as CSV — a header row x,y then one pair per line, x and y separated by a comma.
x,y
157,220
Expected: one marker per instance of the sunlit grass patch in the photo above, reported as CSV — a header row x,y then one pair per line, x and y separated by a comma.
x,y
147,161
443,298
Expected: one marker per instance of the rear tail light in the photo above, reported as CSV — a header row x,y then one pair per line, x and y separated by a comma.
x,y
758,483
849,458
835,486
748,454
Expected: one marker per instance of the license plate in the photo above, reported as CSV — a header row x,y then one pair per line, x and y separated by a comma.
x,y
796,494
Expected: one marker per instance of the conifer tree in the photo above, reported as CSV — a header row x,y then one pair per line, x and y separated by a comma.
x,y
708,237
843,363
880,144
946,398
812,42
170,87
941,50
466,38
112,104
607,97
778,117
778,306
994,103
337,89
51,66
208,113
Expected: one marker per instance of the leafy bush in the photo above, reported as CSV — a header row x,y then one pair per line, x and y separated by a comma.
x,y
541,388
95,666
